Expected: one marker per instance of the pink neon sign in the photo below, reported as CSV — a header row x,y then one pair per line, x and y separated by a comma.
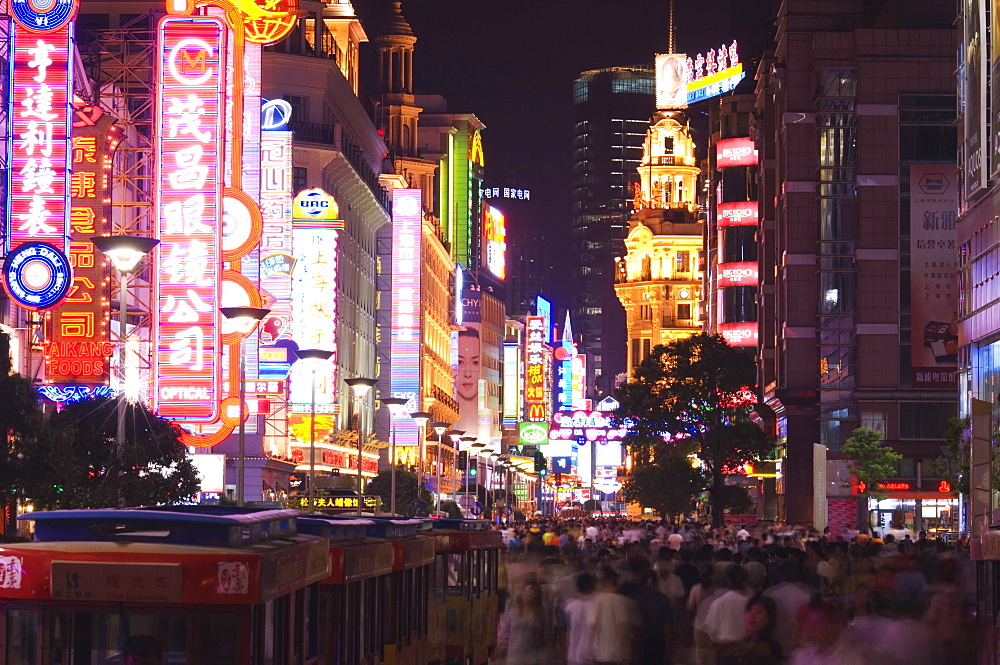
x,y
189,131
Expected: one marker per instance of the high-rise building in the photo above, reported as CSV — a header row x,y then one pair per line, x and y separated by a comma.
x,y
659,279
856,305
611,111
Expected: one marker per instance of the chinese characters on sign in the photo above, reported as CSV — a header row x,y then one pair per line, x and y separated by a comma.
x,y
189,101
407,223
534,369
494,242
276,260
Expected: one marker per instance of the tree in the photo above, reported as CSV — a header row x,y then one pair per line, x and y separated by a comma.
x,y
81,467
871,463
701,390
667,485
409,490
953,464
452,508
23,428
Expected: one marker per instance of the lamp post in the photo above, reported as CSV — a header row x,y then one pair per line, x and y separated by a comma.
x,y
439,428
314,358
125,252
394,404
361,386
421,418
469,442
246,319
453,437
477,447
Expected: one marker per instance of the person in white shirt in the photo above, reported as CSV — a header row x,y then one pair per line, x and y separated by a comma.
x,y
593,532
615,624
578,617
742,534
675,540
724,621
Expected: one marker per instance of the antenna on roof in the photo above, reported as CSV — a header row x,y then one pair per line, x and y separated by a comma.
x,y
670,38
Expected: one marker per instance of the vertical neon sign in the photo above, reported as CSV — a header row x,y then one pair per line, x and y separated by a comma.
x,y
37,273
407,224
190,129
534,368
276,259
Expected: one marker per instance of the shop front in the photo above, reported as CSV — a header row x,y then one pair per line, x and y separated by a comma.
x,y
929,507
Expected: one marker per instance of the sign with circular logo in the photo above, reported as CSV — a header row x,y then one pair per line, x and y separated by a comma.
x,y
275,114
315,205
533,434
37,275
43,15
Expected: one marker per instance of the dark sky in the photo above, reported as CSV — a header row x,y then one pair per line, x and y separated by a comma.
x,y
513,64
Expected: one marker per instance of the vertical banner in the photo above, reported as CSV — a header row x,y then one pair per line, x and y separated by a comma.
x,y
190,130
534,369
77,344
974,15
467,361
276,260
315,222
404,319
37,273
933,303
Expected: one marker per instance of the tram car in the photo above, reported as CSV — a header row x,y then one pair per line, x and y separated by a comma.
x,y
162,587
465,593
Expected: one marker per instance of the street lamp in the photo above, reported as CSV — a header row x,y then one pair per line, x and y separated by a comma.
x,y
314,359
469,441
395,405
421,418
360,386
453,436
439,428
246,319
125,252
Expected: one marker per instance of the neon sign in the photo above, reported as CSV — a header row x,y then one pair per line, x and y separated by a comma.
x,y
738,274
735,152
585,426
276,262
494,242
41,82
190,130
739,334
534,368
314,297
715,73
738,214
404,342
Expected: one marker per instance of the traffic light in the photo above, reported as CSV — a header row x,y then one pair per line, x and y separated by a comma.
x,y
473,469
540,462
463,458
543,472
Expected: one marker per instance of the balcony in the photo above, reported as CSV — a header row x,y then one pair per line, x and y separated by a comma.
x,y
313,132
668,160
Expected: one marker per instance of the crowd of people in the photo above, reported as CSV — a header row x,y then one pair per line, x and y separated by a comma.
x,y
606,592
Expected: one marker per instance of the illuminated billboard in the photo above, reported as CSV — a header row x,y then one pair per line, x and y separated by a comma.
x,y
276,259
37,272
534,368
714,73
543,308
738,214
189,120
739,334
77,345
738,274
735,152
314,298
511,383
583,426
404,341
494,242
671,81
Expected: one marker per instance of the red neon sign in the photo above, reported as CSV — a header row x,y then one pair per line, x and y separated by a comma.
x,y
739,334
735,152
738,274
189,131
738,214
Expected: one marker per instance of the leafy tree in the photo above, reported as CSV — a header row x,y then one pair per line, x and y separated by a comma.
x,y
452,508
23,428
953,465
83,468
667,485
409,490
700,390
871,463
736,499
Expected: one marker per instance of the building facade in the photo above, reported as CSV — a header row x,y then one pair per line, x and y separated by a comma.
x,y
845,133
611,111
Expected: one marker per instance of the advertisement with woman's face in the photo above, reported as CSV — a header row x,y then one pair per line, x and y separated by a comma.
x,y
466,372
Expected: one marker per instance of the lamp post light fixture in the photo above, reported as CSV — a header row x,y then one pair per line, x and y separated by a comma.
x,y
314,358
395,405
439,428
469,442
454,435
125,252
485,454
421,418
361,387
246,318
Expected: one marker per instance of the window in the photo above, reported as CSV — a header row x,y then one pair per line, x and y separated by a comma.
x,y
684,311
300,107
300,178
684,261
925,420
668,145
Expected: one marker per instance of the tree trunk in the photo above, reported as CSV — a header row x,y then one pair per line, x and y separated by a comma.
x,y
716,497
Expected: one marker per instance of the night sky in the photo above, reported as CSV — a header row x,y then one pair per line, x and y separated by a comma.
x,y
513,64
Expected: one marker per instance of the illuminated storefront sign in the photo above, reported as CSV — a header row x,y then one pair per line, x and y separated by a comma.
x,y
739,334
735,152
276,260
314,297
543,308
77,346
738,214
506,193
511,384
714,73
533,434
407,225
534,368
738,274
38,212
586,425
189,119
494,242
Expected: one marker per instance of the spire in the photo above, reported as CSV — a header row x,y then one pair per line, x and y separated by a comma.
x,y
567,336
396,24
670,38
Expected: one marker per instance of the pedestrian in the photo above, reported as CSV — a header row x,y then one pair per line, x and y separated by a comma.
x,y
616,623
758,646
577,620
527,625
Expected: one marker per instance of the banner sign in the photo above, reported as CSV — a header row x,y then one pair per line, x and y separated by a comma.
x,y
407,261
735,152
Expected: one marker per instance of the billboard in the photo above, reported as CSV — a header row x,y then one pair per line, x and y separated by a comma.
x,y
671,81
276,259
715,73
933,300
534,368
511,383
404,340
190,130
467,361
735,152
975,91
737,214
584,426
494,242
314,298
739,334
743,273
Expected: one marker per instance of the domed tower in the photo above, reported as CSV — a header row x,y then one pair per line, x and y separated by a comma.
x,y
397,115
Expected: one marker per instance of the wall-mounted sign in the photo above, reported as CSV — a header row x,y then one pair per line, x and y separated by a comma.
x,y
715,73
37,275
738,214
494,242
190,129
738,274
315,205
739,334
533,434
534,364
404,340
506,193
671,80
584,427
735,152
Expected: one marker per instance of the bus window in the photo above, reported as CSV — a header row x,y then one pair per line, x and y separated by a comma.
x,y
456,575
22,637
109,638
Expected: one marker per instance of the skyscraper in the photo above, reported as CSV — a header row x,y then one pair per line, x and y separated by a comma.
x,y
611,109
